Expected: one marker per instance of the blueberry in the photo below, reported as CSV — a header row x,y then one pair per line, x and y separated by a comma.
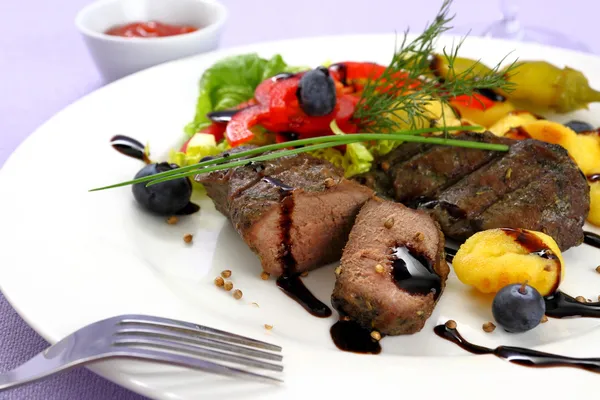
x,y
579,126
518,308
166,198
316,92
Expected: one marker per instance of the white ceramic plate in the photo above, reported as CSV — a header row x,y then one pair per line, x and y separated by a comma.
x,y
69,257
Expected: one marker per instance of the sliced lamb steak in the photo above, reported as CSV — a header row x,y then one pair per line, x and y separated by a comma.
x,y
535,185
294,212
392,270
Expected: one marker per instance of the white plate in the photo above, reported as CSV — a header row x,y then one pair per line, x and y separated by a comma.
x,y
69,257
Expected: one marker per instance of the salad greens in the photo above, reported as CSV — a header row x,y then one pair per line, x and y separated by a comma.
x,y
355,160
232,81
201,145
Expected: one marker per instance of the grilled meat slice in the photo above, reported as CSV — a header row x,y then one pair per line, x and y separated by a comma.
x,y
535,185
392,270
294,212
438,167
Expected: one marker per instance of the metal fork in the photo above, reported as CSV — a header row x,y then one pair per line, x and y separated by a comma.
x,y
163,340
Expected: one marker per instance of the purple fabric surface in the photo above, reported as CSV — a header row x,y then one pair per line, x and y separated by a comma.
x,y
44,67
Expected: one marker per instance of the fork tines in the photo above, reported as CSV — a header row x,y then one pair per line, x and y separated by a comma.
x,y
221,350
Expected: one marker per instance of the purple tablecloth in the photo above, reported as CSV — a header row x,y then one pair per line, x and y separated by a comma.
x,y
44,67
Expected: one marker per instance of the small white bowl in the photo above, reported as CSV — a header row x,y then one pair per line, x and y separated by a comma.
x,y
117,56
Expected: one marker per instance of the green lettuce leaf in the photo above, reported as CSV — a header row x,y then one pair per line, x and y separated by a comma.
x,y
382,147
359,159
355,161
232,81
194,155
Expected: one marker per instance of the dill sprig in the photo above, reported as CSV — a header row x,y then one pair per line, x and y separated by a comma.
x,y
390,102
269,152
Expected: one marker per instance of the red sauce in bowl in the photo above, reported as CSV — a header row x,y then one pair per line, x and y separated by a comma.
x,y
150,29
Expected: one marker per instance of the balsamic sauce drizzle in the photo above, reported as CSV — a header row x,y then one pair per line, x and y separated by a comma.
x,y
342,71
130,147
223,116
591,239
561,305
491,94
414,273
519,355
349,335
290,283
282,76
536,246
296,290
532,243
450,253
593,178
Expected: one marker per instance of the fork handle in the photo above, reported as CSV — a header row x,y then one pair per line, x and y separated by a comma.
x,y
37,368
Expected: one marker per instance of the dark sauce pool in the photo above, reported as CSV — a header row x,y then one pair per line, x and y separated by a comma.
x,y
350,336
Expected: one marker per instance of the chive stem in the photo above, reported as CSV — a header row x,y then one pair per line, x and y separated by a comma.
x,y
227,161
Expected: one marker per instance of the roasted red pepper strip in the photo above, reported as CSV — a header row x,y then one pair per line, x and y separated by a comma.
x,y
357,74
251,102
262,93
349,71
475,100
216,129
239,128
282,99
263,90
294,119
347,106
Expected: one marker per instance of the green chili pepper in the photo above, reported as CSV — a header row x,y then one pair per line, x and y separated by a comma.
x,y
538,84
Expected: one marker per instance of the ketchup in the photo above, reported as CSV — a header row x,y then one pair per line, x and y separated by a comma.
x,y
149,29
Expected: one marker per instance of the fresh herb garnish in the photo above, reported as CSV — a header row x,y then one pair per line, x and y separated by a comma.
x,y
262,153
393,94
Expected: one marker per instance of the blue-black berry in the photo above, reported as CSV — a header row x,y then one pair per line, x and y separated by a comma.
x,y
165,198
579,126
518,308
316,92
